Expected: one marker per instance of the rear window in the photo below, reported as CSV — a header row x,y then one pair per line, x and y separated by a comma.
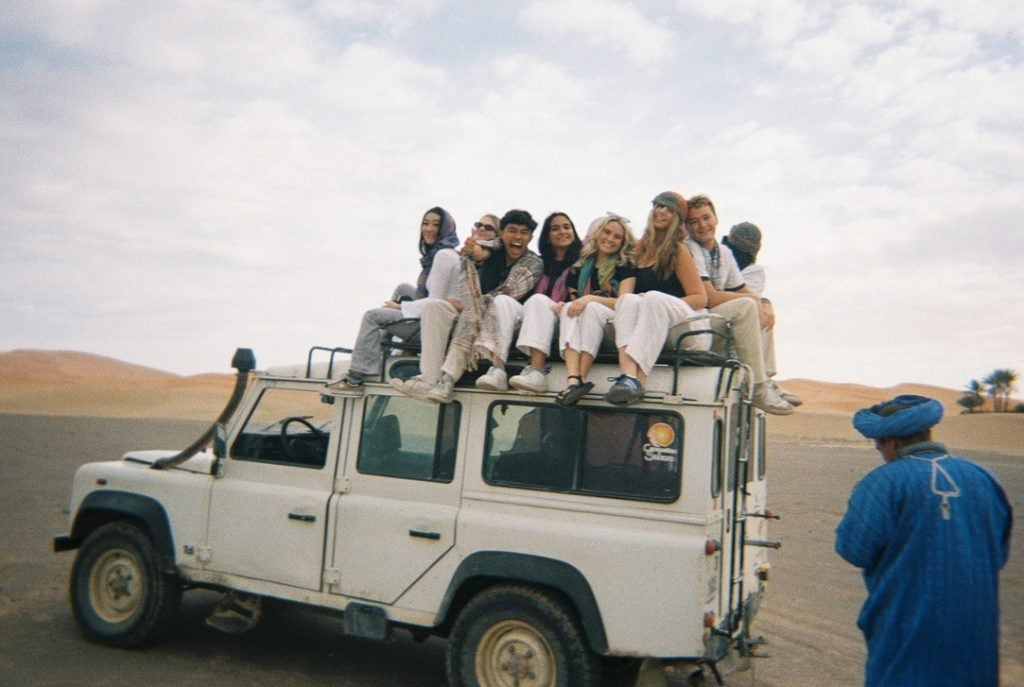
x,y
632,454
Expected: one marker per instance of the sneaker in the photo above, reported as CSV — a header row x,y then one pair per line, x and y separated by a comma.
x,y
496,379
791,399
415,387
624,391
350,384
443,391
768,400
531,379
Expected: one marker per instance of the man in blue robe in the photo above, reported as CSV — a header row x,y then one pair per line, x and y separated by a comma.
x,y
931,532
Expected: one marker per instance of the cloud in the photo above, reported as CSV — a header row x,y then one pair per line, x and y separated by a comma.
x,y
603,25
185,177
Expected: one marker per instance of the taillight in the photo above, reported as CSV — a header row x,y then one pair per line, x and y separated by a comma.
x,y
710,547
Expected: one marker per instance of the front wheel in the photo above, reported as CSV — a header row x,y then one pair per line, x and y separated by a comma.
x,y
119,596
516,636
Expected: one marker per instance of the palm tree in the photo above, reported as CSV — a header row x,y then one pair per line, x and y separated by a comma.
x,y
1001,385
970,401
975,391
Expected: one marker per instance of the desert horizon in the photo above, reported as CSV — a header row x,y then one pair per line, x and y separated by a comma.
x,y
77,383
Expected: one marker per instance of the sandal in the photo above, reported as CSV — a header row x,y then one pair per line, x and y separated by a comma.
x,y
570,395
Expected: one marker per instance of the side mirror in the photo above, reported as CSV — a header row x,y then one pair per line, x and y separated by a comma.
x,y
220,441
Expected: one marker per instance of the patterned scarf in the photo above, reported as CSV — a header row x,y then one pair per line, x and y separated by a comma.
x,y
608,285
476,329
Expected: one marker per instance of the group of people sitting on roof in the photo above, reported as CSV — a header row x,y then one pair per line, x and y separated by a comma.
x,y
472,299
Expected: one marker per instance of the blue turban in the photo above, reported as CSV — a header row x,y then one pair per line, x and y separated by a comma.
x,y
918,413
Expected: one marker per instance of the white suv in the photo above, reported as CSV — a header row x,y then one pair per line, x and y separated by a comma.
x,y
540,540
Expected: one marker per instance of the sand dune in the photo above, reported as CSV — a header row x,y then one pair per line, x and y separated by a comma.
x,y
71,383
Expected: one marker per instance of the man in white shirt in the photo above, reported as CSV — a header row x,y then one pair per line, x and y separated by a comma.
x,y
729,296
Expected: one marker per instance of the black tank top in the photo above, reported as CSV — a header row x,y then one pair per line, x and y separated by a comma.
x,y
648,280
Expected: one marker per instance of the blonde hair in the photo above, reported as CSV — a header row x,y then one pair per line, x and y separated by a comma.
x,y
626,254
664,253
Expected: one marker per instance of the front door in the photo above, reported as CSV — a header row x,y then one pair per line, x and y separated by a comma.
x,y
268,508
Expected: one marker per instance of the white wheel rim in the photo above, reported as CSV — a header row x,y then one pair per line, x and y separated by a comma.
x,y
513,653
116,586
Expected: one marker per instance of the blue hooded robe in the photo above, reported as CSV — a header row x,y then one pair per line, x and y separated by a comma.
x,y
932,570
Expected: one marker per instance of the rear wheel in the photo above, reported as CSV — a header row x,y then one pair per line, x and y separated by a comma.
x,y
118,594
515,636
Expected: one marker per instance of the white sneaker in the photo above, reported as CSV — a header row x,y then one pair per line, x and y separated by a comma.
x,y
531,379
415,387
496,379
443,391
791,399
768,400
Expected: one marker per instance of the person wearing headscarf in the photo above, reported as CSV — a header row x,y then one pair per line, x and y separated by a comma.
x,y
478,321
744,242
668,294
930,531
439,264
730,298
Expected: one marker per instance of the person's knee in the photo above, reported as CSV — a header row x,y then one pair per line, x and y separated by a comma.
x,y
628,300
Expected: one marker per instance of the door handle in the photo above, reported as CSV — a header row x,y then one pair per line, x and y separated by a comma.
x,y
302,517
425,535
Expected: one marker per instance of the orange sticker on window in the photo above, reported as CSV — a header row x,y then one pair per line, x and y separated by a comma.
x,y
661,434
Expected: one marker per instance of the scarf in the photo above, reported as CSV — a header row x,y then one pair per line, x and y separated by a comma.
x,y
608,285
476,329
446,238
554,287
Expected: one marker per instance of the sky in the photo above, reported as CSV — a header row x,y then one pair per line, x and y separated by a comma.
x,y
181,178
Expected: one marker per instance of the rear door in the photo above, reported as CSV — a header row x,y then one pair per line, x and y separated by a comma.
x,y
398,515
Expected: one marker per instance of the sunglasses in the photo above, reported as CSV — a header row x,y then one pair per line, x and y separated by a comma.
x,y
488,227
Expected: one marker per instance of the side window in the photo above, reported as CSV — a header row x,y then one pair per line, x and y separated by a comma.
x,y
287,426
407,438
596,451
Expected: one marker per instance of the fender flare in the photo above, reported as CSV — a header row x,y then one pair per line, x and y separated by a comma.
x,y
504,566
100,507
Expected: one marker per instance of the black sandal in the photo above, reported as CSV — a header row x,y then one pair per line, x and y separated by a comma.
x,y
571,394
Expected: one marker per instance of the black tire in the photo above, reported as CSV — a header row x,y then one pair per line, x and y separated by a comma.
x,y
518,636
118,594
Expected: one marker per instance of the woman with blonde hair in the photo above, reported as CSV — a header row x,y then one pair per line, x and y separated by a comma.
x,y
603,272
667,294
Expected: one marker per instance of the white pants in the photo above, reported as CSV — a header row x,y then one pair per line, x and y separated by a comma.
x,y
538,328
508,313
584,332
645,323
